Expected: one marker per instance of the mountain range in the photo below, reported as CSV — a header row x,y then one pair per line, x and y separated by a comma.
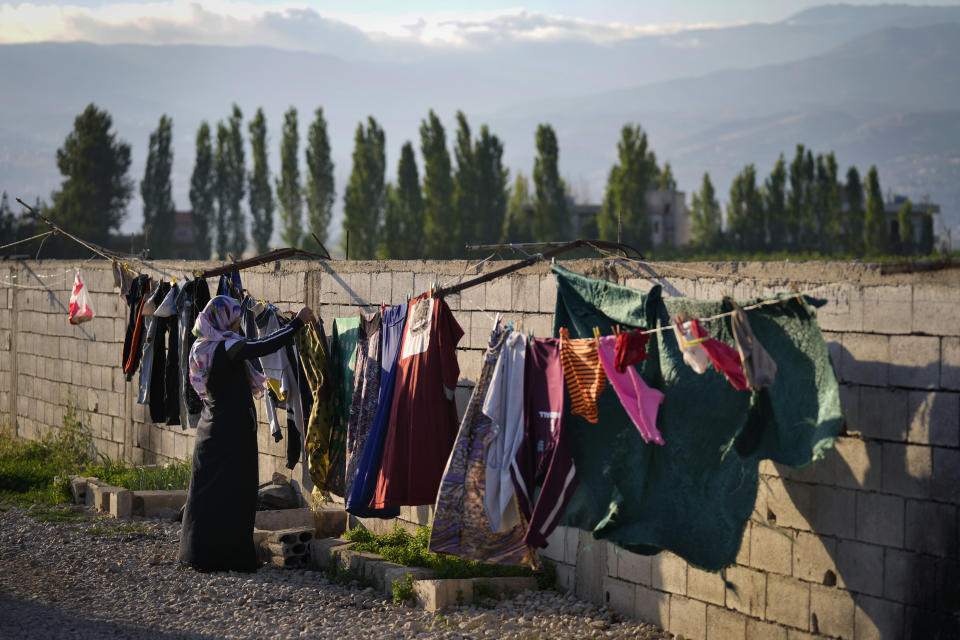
x,y
875,84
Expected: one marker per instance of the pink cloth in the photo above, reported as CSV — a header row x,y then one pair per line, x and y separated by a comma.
x,y
211,328
639,401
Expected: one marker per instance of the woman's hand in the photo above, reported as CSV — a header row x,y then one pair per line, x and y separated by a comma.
x,y
305,315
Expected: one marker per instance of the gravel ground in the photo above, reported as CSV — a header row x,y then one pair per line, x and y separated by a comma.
x,y
104,578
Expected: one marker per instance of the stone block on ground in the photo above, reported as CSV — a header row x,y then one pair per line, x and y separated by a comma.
x,y
285,519
321,550
506,586
284,549
101,496
384,573
299,535
434,595
88,495
330,523
353,560
158,503
121,503
78,489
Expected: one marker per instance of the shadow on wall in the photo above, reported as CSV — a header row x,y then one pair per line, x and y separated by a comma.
x,y
896,553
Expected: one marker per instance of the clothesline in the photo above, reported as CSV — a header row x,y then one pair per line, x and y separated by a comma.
x,y
39,235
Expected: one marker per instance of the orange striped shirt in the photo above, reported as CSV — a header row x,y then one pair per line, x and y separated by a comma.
x,y
583,372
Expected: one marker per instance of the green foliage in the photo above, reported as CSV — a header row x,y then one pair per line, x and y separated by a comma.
x,y
905,227
56,515
203,192
402,236
116,530
289,195
441,224
92,200
775,204
320,187
230,175
401,547
156,190
174,475
666,181
853,216
551,213
491,183
745,224
875,225
624,202
261,196
926,234
365,198
403,589
517,225
483,592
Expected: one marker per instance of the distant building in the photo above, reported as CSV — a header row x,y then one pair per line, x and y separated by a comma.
x,y
892,206
669,220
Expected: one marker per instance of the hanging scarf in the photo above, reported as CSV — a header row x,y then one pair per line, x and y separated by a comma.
x,y
211,328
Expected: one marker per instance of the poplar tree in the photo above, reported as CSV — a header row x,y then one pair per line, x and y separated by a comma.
x,y
666,181
92,200
551,214
465,186
235,190
289,196
319,188
261,196
796,201
441,225
905,227
203,192
627,184
775,204
705,227
745,211
516,227
157,191
221,162
402,236
926,233
491,177
875,226
833,218
853,215
365,197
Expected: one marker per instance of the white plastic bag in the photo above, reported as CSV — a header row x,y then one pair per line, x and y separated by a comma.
x,y
80,309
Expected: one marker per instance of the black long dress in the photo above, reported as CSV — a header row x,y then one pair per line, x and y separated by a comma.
x,y
217,531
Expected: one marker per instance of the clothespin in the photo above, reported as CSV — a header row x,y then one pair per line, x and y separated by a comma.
x,y
383,306
510,326
596,334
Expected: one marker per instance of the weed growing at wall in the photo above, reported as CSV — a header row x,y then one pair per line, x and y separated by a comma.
x,y
401,547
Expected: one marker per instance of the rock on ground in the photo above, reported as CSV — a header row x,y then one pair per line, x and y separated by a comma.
x,y
104,578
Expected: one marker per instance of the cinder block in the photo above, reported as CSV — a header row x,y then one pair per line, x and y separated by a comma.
x,y
668,572
652,606
813,557
931,527
746,590
907,469
481,324
831,611
937,306
759,630
540,324
384,573
844,309
381,288
888,309
771,549
788,601
705,585
322,550
426,279
832,511
850,405
876,619
555,541
950,363
591,565
785,503
915,361
402,287
435,595
857,463
548,294
688,617
724,624
154,503
285,519
571,545
499,294
525,293
909,577
632,566
566,577
934,418
884,413
946,475
330,523
880,519
860,567
865,359
619,595
473,299
743,555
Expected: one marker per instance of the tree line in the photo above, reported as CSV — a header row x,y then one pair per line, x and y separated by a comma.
x,y
806,207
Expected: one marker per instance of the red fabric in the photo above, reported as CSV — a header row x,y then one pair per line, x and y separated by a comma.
x,y
130,364
631,349
724,357
423,418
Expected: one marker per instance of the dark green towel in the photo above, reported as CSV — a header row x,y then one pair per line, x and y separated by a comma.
x,y
694,495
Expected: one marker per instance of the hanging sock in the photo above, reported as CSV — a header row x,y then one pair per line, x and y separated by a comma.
x,y
583,373
691,346
639,401
631,349
724,357
758,367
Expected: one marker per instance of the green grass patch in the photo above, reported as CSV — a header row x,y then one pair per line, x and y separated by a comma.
x,y
175,475
56,515
116,530
401,547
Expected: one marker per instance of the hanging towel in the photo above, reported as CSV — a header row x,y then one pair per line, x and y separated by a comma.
x,y
343,352
584,375
639,401
461,526
693,495
758,367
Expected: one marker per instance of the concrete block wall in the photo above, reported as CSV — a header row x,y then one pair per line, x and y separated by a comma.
x,y
863,544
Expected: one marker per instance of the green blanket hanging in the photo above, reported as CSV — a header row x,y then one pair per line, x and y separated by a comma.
x,y
694,495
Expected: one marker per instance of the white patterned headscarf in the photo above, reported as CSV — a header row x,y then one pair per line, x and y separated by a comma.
x,y
211,328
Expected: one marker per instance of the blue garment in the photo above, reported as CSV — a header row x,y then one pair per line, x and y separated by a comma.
x,y
230,285
365,483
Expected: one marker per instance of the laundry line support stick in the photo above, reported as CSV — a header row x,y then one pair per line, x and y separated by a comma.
x,y
265,258
106,253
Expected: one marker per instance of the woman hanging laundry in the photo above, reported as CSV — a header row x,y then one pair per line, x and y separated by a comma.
x,y
217,533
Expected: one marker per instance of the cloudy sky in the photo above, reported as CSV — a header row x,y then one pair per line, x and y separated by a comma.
x,y
349,27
